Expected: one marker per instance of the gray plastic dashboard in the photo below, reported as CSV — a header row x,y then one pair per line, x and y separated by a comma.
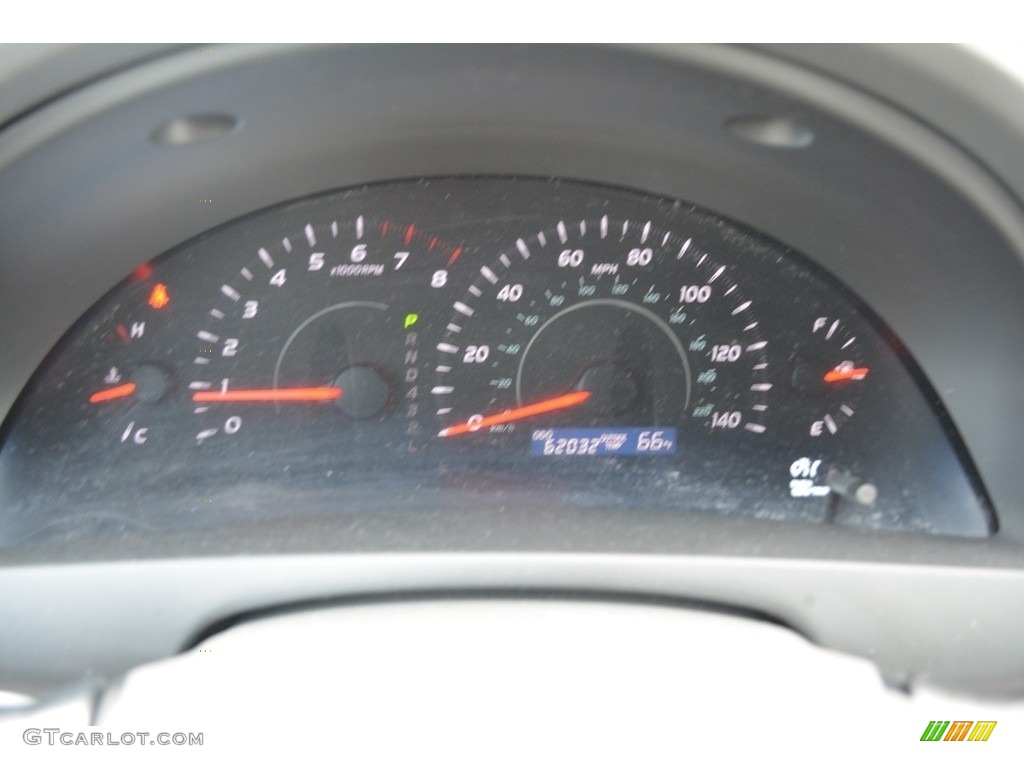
x,y
88,196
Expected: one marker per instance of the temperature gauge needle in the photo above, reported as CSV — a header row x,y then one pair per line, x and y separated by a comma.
x,y
112,394
846,374
544,406
296,394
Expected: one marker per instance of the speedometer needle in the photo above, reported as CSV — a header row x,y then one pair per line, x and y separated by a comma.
x,y
296,394
544,406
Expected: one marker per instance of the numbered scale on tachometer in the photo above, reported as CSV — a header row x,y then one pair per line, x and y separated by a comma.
x,y
319,333
602,337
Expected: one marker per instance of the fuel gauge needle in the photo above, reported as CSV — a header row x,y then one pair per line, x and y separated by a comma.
x,y
295,394
113,393
846,374
516,414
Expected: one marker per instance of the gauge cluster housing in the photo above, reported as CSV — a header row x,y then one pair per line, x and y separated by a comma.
x,y
633,356
920,230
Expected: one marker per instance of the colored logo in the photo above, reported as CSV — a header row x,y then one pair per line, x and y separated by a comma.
x,y
958,730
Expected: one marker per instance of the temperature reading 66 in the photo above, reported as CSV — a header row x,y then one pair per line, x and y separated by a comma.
x,y
654,442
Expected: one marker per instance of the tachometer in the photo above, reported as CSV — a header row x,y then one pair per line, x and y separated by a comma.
x,y
603,336
323,323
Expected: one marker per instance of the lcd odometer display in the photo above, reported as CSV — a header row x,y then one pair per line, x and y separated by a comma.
x,y
639,441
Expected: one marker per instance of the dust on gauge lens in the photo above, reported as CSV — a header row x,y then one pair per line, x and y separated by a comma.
x,y
601,337
829,373
319,334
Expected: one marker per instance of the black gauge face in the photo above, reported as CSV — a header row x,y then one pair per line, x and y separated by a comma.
x,y
597,335
320,331
829,373
464,346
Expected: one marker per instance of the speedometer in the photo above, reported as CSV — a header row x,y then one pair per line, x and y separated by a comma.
x,y
605,336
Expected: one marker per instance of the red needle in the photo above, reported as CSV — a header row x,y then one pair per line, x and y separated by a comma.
x,y
544,406
846,375
112,394
297,394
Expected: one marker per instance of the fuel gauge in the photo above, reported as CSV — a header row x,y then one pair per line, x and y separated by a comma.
x,y
829,375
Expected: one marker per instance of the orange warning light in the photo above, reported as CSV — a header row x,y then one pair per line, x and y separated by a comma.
x,y
158,297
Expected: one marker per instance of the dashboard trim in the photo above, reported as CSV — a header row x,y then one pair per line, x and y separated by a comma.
x,y
876,611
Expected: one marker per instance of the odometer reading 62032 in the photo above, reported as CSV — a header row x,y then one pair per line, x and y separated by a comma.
x,y
600,333
603,442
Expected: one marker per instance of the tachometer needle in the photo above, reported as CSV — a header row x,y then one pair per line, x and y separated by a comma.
x,y
846,374
297,394
544,406
112,394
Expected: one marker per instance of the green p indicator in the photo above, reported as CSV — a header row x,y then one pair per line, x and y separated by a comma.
x,y
411,320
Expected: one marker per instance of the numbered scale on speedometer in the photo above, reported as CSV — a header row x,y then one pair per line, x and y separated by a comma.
x,y
602,337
